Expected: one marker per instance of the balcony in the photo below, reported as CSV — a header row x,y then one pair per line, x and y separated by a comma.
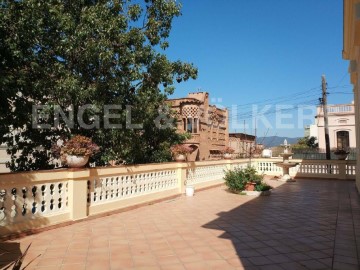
x,y
195,139
340,109
307,224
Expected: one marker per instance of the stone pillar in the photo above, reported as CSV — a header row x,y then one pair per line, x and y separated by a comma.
x,y
181,176
77,192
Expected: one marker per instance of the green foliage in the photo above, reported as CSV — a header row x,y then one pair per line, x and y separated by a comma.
x,y
237,179
66,54
79,146
306,143
262,187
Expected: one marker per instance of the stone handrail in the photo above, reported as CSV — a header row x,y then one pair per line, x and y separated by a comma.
x,y
38,199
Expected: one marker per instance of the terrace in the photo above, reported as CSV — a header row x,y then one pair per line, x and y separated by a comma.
x,y
76,219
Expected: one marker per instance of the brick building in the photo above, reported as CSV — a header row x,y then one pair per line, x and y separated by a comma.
x,y
242,143
207,124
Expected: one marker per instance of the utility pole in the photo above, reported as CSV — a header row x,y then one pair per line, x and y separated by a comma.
x,y
326,122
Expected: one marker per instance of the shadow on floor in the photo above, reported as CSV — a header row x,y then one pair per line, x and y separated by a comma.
x,y
308,224
9,255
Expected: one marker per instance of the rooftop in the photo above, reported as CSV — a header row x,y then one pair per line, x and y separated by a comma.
x,y
309,224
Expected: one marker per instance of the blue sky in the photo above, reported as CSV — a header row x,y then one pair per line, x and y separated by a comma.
x,y
251,51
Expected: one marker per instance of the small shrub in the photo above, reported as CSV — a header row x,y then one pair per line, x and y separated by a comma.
x,y
237,179
180,149
77,145
228,150
262,187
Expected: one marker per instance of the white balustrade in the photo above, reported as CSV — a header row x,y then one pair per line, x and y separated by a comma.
x,y
119,187
240,166
319,169
37,199
350,169
23,202
268,167
202,174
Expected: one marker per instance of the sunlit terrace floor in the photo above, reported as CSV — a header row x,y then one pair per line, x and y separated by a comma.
x,y
309,224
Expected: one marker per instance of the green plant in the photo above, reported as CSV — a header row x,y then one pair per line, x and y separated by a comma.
x,y
340,151
262,187
237,179
228,150
78,146
180,149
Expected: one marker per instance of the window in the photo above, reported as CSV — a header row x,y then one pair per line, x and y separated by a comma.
x,y
342,139
191,125
196,124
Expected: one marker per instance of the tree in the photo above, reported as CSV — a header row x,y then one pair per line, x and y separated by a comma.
x,y
67,66
306,142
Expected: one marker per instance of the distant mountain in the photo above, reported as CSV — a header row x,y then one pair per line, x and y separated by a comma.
x,y
275,140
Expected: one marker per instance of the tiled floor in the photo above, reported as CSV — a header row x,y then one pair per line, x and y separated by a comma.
x,y
308,224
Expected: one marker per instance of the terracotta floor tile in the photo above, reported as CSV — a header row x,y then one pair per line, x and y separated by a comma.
x,y
313,264
196,233
77,266
240,262
98,266
196,266
344,266
75,258
258,261
345,259
173,267
121,263
279,258
326,261
292,266
140,261
298,256
168,260
191,258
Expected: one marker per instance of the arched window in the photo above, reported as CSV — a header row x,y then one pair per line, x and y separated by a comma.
x,y
191,125
191,115
342,139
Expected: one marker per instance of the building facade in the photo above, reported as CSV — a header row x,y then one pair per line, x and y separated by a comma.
x,y
341,122
351,52
311,131
207,124
242,144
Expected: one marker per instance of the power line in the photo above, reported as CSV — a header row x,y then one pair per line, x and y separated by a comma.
x,y
289,97
282,98
250,114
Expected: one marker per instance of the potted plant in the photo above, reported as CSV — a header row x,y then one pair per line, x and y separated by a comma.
x,y
246,181
341,154
227,152
180,151
76,151
256,152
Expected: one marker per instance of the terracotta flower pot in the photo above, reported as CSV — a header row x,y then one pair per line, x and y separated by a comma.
x,y
250,186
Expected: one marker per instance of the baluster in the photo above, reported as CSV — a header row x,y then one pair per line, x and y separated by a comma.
x,y
2,208
13,207
43,202
33,191
52,186
95,190
88,191
60,186
24,190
